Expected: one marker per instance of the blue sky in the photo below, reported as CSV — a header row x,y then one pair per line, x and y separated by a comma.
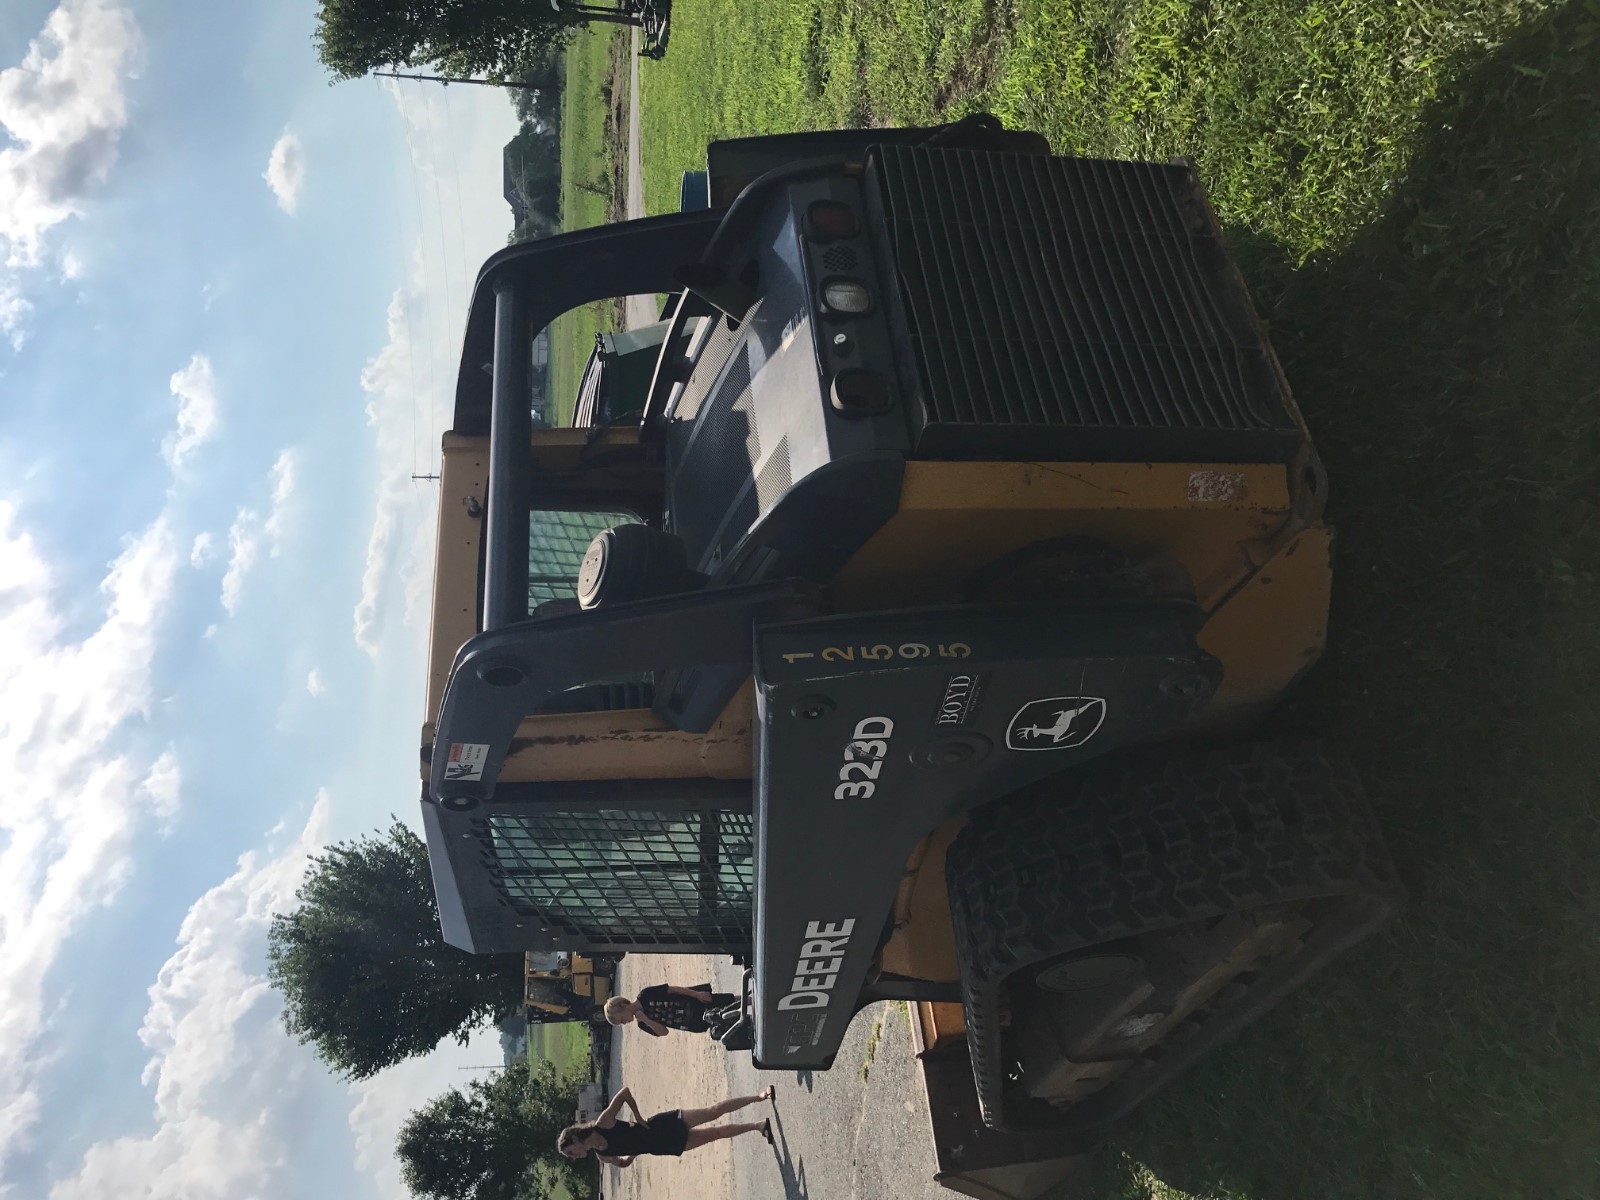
x,y
230,298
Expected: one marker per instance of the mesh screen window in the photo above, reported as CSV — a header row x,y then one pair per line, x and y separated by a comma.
x,y
628,877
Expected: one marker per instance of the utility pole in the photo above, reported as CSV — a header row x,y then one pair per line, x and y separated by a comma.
x,y
537,86
435,478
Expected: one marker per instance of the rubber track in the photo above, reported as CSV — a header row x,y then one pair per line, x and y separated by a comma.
x,y
1078,861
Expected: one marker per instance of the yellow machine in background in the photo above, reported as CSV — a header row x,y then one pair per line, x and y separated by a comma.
x,y
561,986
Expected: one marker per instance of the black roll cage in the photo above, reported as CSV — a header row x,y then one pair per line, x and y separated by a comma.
x,y
518,292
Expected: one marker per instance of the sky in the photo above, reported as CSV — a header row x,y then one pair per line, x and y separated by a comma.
x,y
230,304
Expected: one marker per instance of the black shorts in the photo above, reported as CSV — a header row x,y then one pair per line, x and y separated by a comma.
x,y
669,1133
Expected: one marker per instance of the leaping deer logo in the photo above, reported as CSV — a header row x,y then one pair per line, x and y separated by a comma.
x,y
1059,723
1062,726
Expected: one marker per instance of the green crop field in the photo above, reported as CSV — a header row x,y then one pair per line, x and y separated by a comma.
x,y
1413,191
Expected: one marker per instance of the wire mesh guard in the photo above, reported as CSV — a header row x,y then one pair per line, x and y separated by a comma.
x,y
627,878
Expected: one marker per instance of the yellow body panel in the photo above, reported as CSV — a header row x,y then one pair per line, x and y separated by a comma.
x,y
1259,565
631,743
463,490
956,517
1273,627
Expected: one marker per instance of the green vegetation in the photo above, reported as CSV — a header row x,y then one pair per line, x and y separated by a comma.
x,y
1412,192
367,980
465,37
871,1052
495,1140
589,189
563,1043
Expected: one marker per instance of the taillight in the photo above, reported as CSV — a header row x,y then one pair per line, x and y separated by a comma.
x,y
857,393
827,220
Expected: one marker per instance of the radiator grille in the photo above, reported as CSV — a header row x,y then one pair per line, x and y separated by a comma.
x,y
626,877
1084,302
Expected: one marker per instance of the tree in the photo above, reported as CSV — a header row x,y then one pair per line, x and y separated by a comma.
x,y
460,37
533,162
536,226
538,104
365,975
496,1140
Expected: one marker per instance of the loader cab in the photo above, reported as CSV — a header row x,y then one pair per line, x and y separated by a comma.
x,y
610,827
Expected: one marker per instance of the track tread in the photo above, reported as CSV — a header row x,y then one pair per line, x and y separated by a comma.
x,y
1076,862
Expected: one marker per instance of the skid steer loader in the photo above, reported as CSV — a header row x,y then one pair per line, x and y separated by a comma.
x,y
910,642
558,985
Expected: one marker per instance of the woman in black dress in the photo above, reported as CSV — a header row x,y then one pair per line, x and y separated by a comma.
x,y
673,1133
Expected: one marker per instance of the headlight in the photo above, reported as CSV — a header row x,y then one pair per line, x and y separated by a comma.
x,y
846,296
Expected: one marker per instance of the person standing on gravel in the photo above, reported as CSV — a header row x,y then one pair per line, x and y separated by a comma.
x,y
665,1007
671,1133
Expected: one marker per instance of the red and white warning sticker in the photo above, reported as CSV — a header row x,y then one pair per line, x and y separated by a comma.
x,y
466,760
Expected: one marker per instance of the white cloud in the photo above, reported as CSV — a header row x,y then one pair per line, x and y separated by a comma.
x,y
163,784
286,171
390,385
63,111
64,704
195,386
385,1101
244,547
283,481
314,683
249,532
410,381
73,265
13,310
202,551
224,1074
230,1089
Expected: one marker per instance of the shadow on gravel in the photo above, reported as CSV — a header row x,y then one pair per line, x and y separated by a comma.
x,y
794,1171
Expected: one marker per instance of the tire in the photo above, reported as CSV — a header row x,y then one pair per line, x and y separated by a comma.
x,y
632,562
1150,851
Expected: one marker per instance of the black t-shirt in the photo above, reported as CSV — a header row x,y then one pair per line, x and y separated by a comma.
x,y
672,1010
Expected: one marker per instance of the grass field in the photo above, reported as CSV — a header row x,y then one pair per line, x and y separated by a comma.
x,y
588,186
565,1043
1412,191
